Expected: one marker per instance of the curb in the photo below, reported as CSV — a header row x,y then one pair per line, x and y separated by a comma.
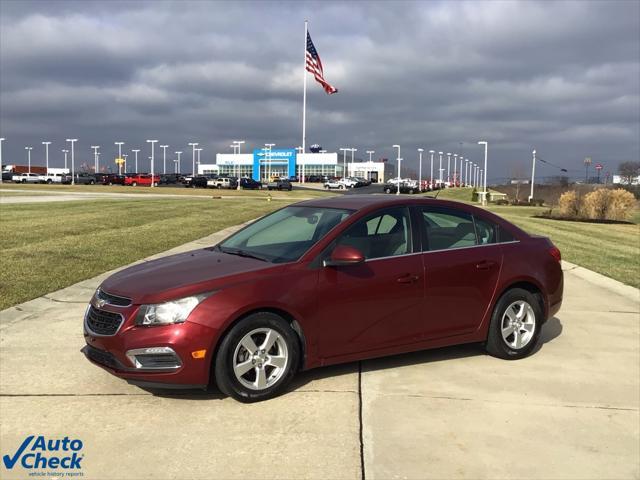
x,y
603,281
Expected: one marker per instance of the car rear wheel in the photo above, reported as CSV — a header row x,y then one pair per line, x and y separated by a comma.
x,y
257,358
387,190
515,325
135,184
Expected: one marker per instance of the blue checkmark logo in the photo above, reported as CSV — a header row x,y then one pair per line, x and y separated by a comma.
x,y
10,462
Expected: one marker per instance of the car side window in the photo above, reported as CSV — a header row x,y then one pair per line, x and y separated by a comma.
x,y
505,236
486,231
448,228
383,234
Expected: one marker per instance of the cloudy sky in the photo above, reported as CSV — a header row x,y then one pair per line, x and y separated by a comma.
x,y
561,77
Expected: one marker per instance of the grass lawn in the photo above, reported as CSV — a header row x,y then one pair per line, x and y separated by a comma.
x,y
6,189
610,249
48,246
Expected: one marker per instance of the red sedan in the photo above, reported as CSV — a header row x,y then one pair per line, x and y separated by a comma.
x,y
323,282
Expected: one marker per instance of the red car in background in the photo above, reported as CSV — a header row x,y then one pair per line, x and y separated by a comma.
x,y
144,179
322,282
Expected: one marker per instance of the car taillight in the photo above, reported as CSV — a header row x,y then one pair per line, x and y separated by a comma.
x,y
555,253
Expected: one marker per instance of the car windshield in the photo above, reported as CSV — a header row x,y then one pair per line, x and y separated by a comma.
x,y
285,235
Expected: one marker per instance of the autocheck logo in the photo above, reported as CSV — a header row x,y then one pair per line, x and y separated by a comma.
x,y
40,453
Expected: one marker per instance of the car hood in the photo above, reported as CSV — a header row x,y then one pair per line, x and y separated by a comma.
x,y
181,275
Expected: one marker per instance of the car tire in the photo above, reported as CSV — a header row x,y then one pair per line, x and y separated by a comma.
x,y
233,357
24,180
515,325
387,190
135,184
341,187
155,184
326,187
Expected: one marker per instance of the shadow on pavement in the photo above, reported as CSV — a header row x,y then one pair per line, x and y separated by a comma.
x,y
552,329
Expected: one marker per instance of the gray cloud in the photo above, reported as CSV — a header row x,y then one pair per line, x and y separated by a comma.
x,y
563,77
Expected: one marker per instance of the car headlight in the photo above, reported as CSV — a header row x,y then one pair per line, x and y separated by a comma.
x,y
175,311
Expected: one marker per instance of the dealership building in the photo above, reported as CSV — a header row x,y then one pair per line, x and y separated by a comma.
x,y
262,164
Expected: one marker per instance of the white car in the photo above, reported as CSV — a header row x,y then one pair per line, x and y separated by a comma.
x,y
26,178
333,183
348,182
51,178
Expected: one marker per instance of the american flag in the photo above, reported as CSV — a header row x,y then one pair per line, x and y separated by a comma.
x,y
314,65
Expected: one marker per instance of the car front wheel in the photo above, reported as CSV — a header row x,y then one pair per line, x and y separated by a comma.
x,y
257,358
515,325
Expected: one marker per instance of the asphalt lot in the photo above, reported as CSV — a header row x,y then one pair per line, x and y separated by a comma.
x,y
569,411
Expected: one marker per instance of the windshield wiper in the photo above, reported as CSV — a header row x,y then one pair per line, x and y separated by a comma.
x,y
241,253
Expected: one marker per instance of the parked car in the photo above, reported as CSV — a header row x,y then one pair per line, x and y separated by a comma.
x,y
405,187
111,179
198,181
334,183
50,178
222,182
315,179
250,184
80,178
170,178
395,274
280,184
363,181
142,179
26,178
349,182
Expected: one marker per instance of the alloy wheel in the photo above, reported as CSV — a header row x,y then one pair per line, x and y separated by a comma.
x,y
518,324
260,358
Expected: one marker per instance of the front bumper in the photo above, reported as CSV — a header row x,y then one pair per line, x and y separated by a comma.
x,y
171,362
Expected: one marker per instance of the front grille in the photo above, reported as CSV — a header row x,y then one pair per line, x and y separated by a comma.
x,y
101,357
103,323
113,299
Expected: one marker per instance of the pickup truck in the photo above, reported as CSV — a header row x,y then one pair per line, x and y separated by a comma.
x,y
141,179
51,178
221,182
26,178
279,184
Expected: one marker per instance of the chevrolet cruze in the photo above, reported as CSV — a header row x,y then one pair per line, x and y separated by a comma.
x,y
323,282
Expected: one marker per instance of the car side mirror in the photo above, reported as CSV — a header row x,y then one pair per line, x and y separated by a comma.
x,y
344,255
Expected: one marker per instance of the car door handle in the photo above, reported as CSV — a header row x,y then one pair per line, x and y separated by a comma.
x,y
485,265
408,278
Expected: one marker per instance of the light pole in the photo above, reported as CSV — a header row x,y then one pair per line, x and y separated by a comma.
x,y
455,169
153,144
269,148
449,169
370,152
125,156
136,154
193,157
28,149
119,156
178,162
466,172
95,157
399,161
238,143
420,150
440,170
65,151
431,174
164,158
73,160
533,174
198,150
344,161
1,140
486,147
46,153
353,150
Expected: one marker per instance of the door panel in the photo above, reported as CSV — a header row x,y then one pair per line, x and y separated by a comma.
x,y
462,266
372,305
459,285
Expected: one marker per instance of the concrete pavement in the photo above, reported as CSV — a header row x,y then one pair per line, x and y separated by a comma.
x,y
569,411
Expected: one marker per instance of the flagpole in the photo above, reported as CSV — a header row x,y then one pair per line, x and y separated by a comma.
x,y
304,100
